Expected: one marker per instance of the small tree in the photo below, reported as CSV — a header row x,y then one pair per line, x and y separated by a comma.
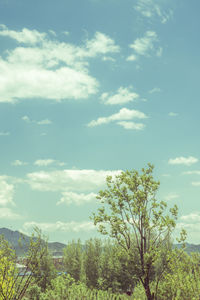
x,y
13,285
7,268
43,268
131,214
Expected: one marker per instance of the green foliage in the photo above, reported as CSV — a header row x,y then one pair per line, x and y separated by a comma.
x,y
182,280
93,249
65,288
33,292
12,285
7,270
45,270
73,259
116,268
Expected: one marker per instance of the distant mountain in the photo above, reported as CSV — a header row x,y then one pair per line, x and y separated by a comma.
x,y
189,248
19,242
56,248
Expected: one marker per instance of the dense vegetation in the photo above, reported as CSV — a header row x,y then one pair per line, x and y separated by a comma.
x,y
136,260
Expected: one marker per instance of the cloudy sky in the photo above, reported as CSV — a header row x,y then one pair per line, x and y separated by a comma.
x,y
89,88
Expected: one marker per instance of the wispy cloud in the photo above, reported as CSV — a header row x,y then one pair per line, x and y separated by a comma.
x,y
155,90
187,161
61,226
196,183
123,115
153,8
122,96
194,172
42,122
77,199
144,46
8,214
18,163
171,196
26,119
131,58
192,217
173,114
4,133
48,162
46,68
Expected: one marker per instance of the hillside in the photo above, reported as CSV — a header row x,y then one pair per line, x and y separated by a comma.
x,y
13,238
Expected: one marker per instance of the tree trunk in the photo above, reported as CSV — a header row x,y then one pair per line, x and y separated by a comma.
x,y
147,289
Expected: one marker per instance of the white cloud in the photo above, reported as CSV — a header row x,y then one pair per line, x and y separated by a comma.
x,y
195,172
123,95
159,52
4,133
131,58
6,192
18,162
153,8
25,36
155,90
51,70
77,199
52,32
44,122
21,82
131,125
101,44
191,223
122,115
187,161
47,162
26,119
61,226
145,45
69,180
7,213
196,183
171,196
44,162
192,217
108,58
173,114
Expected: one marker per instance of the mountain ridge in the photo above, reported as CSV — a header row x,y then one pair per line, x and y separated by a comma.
x,y
13,238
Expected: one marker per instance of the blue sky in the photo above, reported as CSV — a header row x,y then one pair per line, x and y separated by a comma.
x,y
89,88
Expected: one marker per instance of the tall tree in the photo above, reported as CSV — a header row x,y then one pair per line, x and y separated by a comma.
x,y
131,214
73,259
93,248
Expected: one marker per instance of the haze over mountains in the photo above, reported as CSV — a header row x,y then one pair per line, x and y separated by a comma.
x,y
13,237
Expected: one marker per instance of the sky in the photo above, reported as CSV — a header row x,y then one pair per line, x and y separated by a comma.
x,y
90,88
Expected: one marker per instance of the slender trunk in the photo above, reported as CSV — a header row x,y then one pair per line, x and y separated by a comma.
x,y
147,289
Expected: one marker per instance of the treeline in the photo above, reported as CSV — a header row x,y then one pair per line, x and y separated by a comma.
x,y
100,269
